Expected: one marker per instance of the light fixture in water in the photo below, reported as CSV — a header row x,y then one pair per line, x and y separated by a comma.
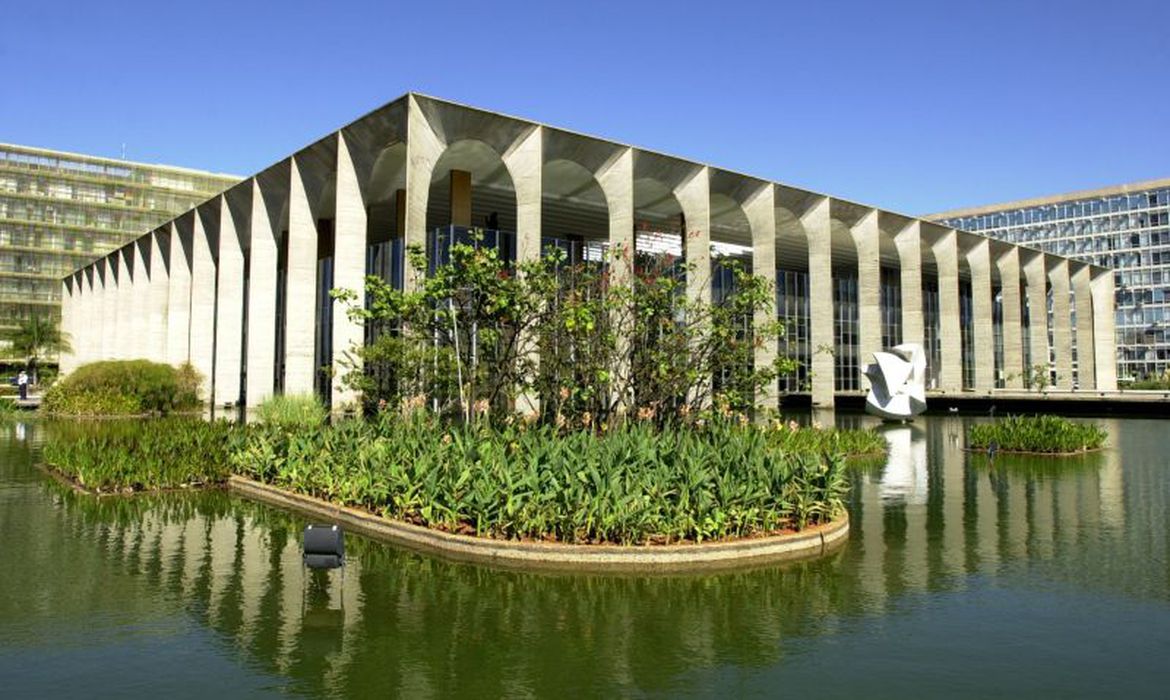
x,y
324,547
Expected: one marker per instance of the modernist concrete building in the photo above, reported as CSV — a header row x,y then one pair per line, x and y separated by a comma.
x,y
1127,228
61,210
239,285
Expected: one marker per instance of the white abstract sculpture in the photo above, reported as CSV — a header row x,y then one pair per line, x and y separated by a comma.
x,y
897,382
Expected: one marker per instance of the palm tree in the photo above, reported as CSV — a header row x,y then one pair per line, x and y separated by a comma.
x,y
36,337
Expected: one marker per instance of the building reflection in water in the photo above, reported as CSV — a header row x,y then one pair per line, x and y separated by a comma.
x,y
932,519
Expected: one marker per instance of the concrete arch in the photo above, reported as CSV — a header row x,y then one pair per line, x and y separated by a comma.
x,y
729,221
574,206
490,187
666,198
572,165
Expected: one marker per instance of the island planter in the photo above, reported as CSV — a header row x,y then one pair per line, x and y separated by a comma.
x,y
810,543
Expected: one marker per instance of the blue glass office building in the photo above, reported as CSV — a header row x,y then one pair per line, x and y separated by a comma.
x,y
1126,228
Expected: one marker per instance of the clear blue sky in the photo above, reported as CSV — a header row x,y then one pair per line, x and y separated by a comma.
x,y
915,106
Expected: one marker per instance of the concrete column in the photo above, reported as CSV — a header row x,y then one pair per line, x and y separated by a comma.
x,y
108,303
908,241
91,328
983,324
158,294
818,230
1104,334
460,197
1086,351
869,296
229,307
525,163
205,240
617,182
140,305
85,319
616,179
124,339
179,291
694,196
70,300
92,333
760,210
261,351
423,148
946,256
88,332
1061,321
1013,341
81,323
349,268
300,314
1036,287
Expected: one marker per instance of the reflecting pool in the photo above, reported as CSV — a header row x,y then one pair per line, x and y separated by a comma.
x,y
1025,577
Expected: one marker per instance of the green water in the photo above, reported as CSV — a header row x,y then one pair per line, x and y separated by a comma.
x,y
960,579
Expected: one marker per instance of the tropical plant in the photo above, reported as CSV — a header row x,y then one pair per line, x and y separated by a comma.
x,y
292,411
141,455
634,483
36,337
1042,434
1037,377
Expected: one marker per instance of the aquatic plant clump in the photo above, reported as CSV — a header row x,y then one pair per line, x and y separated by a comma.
x,y
141,455
292,411
791,437
633,484
1045,434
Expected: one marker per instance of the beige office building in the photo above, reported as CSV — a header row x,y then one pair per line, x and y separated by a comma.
x,y
59,211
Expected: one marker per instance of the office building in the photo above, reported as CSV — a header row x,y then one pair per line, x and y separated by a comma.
x,y
239,285
59,211
1126,228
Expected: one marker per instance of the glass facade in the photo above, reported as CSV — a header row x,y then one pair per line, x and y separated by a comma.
x,y
1127,230
792,309
930,329
846,333
891,307
966,333
997,331
59,211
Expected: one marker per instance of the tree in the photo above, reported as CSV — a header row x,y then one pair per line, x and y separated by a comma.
x,y
36,337
478,332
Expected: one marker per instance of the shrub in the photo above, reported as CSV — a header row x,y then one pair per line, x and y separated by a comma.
x,y
480,330
292,412
124,387
1159,383
1043,434
140,455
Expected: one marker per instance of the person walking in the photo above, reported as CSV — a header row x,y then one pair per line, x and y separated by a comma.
x,y
22,383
